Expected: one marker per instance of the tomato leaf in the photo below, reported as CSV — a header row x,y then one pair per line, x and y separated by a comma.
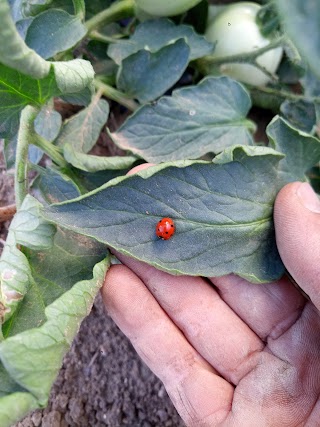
x,y
60,31
48,123
302,151
192,122
52,186
34,357
44,296
223,218
159,33
301,22
301,114
79,135
147,75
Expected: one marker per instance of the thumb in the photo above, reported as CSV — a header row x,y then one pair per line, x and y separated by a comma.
x,y
297,224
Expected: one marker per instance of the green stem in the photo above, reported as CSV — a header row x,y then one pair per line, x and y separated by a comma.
x,y
284,94
51,150
21,167
79,8
247,57
95,35
118,10
114,94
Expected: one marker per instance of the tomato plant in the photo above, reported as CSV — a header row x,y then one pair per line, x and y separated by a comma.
x,y
66,71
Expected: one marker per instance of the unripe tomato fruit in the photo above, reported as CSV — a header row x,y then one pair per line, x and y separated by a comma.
x,y
235,31
166,7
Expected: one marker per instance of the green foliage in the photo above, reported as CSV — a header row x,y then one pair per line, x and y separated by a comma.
x,y
192,122
134,84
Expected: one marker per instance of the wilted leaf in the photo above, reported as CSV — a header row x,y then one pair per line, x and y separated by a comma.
x,y
34,357
15,406
29,228
80,134
192,122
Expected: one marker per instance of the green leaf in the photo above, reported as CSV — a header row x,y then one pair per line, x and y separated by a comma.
x,y
80,134
153,35
60,31
14,52
29,228
18,91
301,22
301,114
15,406
92,180
70,260
73,76
54,186
34,357
15,279
82,130
147,75
192,122
48,123
302,151
222,212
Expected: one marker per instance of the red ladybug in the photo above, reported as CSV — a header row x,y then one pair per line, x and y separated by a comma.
x,y
165,228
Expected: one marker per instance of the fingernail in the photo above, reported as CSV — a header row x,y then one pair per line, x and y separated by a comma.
x,y
308,197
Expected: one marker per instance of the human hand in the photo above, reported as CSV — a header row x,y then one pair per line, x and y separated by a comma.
x,y
231,353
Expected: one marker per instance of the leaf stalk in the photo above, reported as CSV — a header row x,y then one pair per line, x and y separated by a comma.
x,y
118,10
114,94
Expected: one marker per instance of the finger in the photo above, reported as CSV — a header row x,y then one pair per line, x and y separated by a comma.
x,y
297,223
195,389
269,309
208,323
140,168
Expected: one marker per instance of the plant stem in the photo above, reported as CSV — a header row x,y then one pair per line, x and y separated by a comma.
x,y
95,35
247,57
115,95
21,167
79,8
51,150
118,10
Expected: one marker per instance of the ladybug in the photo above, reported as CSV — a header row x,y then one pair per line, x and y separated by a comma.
x,y
165,228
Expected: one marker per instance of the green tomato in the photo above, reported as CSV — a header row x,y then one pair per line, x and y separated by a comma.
x,y
165,7
235,31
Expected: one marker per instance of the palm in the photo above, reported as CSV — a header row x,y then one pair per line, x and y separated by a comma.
x,y
247,355
231,353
